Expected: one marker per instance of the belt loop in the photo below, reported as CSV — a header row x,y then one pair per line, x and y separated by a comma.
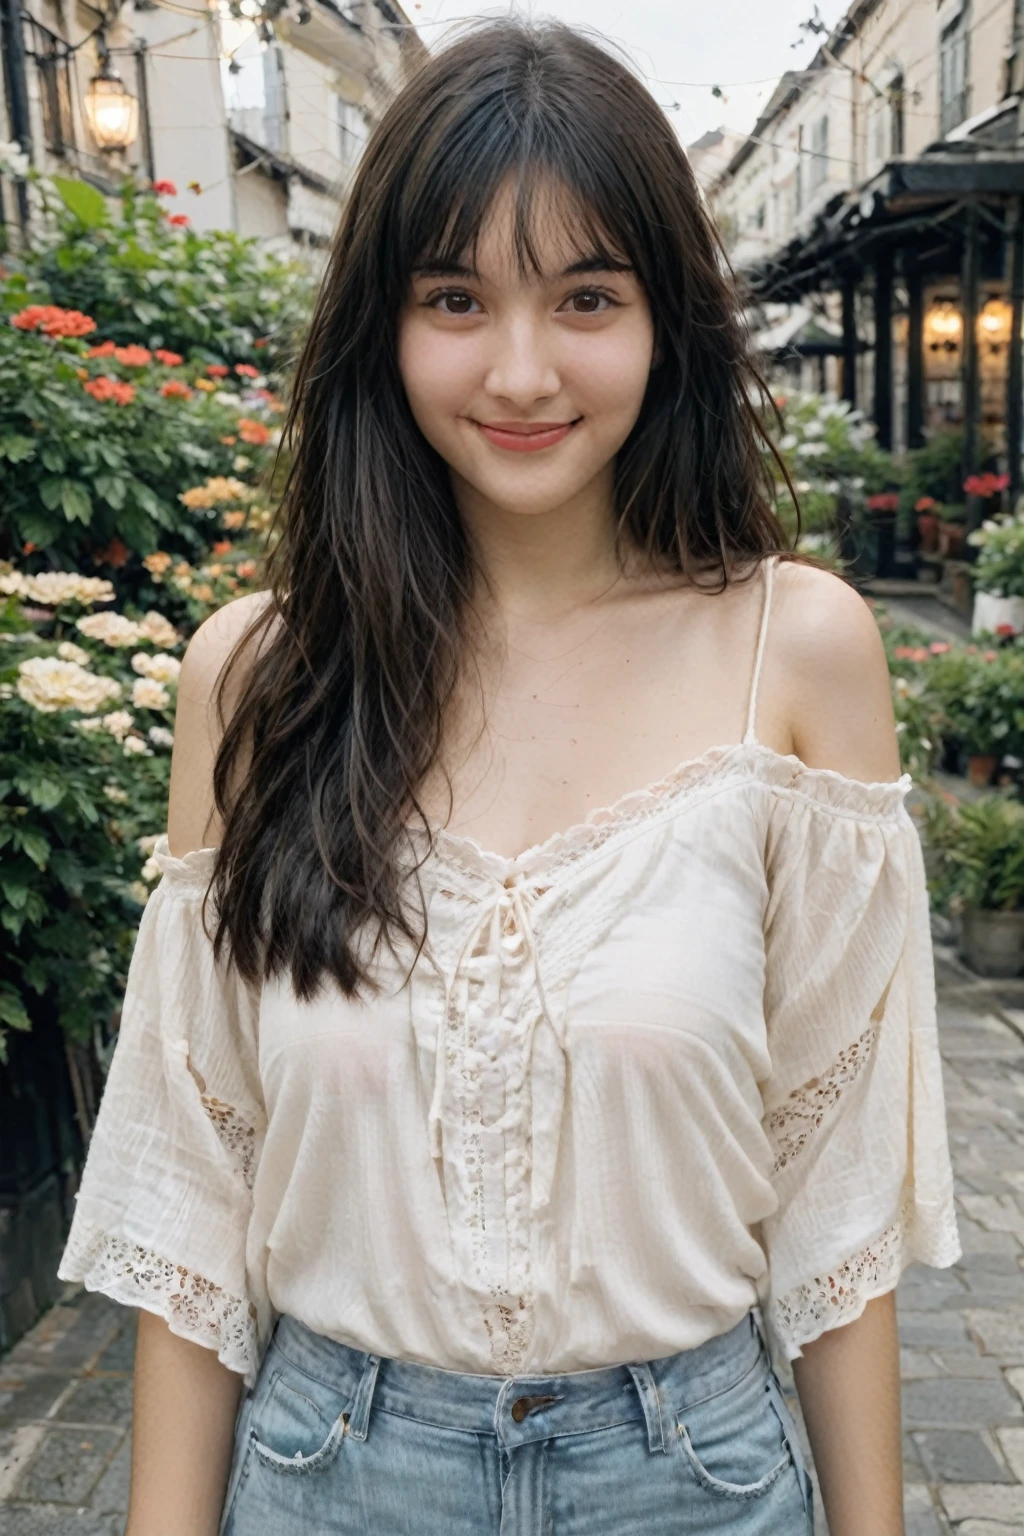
x,y
360,1416
778,1401
650,1399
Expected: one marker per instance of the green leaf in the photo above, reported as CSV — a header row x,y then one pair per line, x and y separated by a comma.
x,y
15,448
75,502
43,792
53,458
88,206
12,1010
15,891
35,845
50,493
113,490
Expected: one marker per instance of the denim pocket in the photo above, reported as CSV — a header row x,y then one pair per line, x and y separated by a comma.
x,y
735,1443
298,1425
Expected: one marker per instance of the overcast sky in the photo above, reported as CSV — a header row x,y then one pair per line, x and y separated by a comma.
x,y
683,47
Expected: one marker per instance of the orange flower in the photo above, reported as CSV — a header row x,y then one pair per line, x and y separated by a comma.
x,y
104,349
27,548
253,431
53,321
206,385
990,655
175,389
234,519
83,373
169,359
229,442
157,563
106,389
223,547
246,568
115,554
133,356
217,370
261,341
246,371
204,592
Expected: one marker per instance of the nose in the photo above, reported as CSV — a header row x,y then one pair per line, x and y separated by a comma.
x,y
522,370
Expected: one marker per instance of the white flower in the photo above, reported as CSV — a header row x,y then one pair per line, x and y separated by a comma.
x,y
68,651
160,631
55,587
13,159
160,736
787,442
115,793
119,722
147,694
134,746
148,843
162,669
91,723
112,628
814,429
151,870
49,684
240,463
139,892
812,450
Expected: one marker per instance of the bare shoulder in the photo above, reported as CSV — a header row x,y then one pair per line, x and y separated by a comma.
x,y
833,674
192,818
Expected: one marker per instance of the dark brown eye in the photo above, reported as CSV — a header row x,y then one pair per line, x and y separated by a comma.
x,y
588,302
457,303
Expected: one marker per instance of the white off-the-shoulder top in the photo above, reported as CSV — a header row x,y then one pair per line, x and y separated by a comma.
x,y
676,1062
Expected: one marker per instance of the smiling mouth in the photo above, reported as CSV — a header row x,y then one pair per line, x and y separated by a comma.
x,y
525,437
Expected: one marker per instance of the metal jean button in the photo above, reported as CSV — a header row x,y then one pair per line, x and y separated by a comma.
x,y
524,1405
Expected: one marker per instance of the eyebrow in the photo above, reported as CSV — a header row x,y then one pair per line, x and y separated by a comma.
x,y
585,265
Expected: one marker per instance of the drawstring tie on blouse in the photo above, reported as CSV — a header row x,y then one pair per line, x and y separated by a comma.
x,y
510,943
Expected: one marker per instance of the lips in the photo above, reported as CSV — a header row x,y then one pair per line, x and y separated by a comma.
x,y
525,437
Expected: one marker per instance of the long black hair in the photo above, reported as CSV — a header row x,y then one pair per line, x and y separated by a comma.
x,y
360,647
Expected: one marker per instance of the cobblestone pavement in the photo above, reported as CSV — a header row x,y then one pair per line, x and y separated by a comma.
x,y
66,1389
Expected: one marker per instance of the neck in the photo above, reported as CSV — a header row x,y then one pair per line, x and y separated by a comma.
x,y
540,565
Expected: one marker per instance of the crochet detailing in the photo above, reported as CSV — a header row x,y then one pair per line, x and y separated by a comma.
x,y
830,1300
237,1135
792,1123
192,1307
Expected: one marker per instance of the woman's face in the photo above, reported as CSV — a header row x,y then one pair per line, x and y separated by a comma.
x,y
526,386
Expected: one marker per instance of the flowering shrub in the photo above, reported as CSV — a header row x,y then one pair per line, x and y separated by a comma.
x,y
976,853
999,568
986,485
85,737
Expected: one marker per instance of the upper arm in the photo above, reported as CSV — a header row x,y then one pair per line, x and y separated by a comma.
x,y
836,676
192,818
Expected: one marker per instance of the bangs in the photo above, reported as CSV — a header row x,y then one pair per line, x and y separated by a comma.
x,y
557,182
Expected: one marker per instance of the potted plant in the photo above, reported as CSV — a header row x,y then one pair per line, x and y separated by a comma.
x,y
980,696
927,510
999,576
952,530
976,856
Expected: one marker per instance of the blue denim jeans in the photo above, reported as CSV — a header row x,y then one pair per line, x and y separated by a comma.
x,y
337,1442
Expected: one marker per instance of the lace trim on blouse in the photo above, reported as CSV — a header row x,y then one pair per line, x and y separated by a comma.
x,y
238,1137
791,1125
192,1306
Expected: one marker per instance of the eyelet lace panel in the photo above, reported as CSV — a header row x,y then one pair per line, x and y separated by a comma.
x,y
793,1123
238,1137
192,1307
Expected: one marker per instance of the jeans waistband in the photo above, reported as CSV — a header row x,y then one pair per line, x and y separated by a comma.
x,y
523,1408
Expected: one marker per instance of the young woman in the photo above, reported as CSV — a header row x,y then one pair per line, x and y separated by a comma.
x,y
562,1011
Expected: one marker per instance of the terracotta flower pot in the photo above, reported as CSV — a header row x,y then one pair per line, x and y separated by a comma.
x,y
928,529
980,768
952,538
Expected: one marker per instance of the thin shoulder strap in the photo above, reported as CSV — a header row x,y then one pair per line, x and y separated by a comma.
x,y
768,566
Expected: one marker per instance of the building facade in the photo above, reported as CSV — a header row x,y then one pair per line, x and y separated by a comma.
x,y
876,208
257,112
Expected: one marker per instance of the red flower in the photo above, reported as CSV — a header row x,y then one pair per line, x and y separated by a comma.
x,y
1005,629
253,432
179,220
246,568
27,548
247,371
106,389
104,349
986,485
165,189
169,359
223,547
175,389
925,504
133,356
217,370
261,341
116,554
883,501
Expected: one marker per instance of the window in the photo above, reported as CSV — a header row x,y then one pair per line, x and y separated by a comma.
x,y
798,181
817,166
353,131
953,74
55,61
896,140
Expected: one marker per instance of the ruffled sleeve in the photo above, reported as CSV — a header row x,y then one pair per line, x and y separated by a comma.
x,y
854,1108
162,1213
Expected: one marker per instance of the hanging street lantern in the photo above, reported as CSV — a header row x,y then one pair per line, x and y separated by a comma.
x,y
111,110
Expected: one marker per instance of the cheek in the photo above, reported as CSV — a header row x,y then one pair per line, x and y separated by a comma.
x,y
437,375
609,372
